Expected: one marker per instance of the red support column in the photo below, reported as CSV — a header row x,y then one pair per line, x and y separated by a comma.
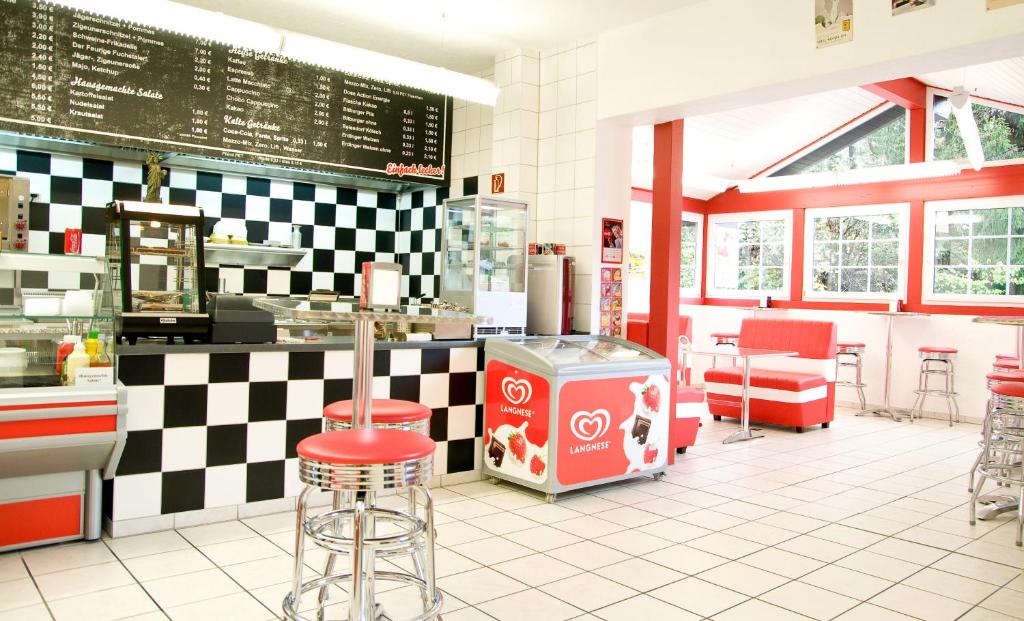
x,y
666,219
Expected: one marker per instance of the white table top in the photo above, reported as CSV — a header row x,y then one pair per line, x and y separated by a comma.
x,y
742,352
899,314
1003,321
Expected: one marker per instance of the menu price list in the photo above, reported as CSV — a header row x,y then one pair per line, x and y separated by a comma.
x,y
77,75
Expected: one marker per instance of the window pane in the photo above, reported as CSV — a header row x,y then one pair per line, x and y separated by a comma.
x,y
773,255
989,281
989,251
826,255
750,255
826,280
853,280
884,280
884,146
773,230
749,232
772,279
748,279
1002,131
884,253
854,228
953,223
1017,221
855,254
1017,282
826,229
990,221
951,280
951,251
688,232
885,227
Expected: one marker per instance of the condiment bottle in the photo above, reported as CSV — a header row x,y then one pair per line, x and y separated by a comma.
x,y
102,358
66,347
92,344
77,359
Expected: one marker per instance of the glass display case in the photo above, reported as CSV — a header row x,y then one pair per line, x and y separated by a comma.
x,y
484,266
46,303
157,270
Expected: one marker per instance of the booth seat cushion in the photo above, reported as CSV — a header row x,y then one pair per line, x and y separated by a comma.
x,y
765,378
810,339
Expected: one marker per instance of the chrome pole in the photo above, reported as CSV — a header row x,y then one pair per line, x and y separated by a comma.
x,y
362,385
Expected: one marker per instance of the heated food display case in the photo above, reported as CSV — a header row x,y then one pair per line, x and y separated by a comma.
x,y
158,272
561,413
62,412
484,266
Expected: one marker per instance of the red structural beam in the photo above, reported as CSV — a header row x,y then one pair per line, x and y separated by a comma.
x,y
909,93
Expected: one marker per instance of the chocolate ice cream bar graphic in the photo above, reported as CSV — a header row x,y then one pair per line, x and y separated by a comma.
x,y
641,427
496,452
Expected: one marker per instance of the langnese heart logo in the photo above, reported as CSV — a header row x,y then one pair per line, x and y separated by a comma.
x,y
516,391
588,426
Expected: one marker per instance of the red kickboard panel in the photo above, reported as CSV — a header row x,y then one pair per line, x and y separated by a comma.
x,y
40,520
57,426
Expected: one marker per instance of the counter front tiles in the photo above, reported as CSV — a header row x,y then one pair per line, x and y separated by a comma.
x,y
212,429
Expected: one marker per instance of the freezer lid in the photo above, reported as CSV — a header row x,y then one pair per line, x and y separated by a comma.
x,y
562,354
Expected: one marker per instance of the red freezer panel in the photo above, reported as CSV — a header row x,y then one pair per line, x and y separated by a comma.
x,y
40,520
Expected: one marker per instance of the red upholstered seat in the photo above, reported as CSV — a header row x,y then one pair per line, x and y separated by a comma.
x,y
850,344
383,411
1006,357
365,446
935,349
689,394
725,335
766,378
1005,376
1009,389
638,328
1006,364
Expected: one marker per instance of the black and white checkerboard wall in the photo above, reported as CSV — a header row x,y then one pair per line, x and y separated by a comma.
x,y
218,429
342,226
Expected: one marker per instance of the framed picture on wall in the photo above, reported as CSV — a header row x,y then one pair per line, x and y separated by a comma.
x,y
833,22
1001,4
612,240
905,6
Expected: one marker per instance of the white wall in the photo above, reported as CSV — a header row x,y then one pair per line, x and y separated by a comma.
x,y
472,140
978,345
720,54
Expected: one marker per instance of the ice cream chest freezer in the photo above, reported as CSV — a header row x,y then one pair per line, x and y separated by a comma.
x,y
566,412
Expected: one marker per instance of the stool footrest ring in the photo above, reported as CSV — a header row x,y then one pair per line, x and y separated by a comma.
x,y
411,528
288,605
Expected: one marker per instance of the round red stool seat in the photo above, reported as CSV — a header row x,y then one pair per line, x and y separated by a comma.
x,y
1009,389
1008,365
724,335
850,347
1005,376
935,349
365,446
386,414
850,344
1006,357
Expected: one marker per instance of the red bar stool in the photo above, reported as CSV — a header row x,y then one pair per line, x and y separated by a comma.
x,y
1006,364
387,414
365,462
1002,456
936,360
852,352
992,379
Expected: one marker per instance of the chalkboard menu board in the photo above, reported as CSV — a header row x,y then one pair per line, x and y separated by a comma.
x,y
73,74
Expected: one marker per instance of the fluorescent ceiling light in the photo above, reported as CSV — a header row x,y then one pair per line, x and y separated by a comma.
x,y
963,110
878,174
204,24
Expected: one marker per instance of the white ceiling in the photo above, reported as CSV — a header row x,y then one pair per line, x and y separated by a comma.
x,y
462,35
1002,80
739,143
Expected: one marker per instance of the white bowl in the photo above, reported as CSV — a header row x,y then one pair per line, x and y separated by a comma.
x,y
13,359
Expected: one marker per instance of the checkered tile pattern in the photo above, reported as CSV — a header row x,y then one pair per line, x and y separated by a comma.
x,y
209,430
342,226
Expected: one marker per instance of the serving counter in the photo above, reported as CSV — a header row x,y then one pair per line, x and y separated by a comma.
x,y
212,429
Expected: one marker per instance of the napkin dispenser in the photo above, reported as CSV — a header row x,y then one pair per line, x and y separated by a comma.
x,y
381,287
234,319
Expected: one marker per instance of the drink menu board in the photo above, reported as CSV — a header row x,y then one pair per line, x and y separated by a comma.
x,y
81,76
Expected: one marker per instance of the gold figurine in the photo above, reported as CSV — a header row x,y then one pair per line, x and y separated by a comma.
x,y
154,178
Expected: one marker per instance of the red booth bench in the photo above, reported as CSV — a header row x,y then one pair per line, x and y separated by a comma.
x,y
691,402
797,391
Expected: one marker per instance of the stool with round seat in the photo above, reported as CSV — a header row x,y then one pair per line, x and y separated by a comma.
x,y
387,414
1002,456
1006,364
365,462
848,355
936,361
991,379
728,339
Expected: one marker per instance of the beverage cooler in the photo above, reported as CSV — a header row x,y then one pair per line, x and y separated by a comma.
x,y
550,301
62,411
567,412
484,267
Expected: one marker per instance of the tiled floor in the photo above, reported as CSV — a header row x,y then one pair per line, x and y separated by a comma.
x,y
863,521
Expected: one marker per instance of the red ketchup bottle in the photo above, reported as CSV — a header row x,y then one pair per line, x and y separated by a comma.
x,y
66,347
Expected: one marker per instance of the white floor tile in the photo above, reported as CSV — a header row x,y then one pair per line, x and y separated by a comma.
x,y
920,604
236,607
633,542
480,585
756,609
144,545
819,549
263,572
240,551
502,523
950,585
782,562
976,568
809,600
543,538
18,594
639,574
907,551
725,545
491,550
66,556
37,612
71,582
529,606
698,596
878,565
1006,601
188,588
685,559
220,532
537,569
743,578
588,555
588,527
167,564
588,591
643,607
118,603
12,567
847,582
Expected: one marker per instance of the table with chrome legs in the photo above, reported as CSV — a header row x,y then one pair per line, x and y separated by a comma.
x,y
887,409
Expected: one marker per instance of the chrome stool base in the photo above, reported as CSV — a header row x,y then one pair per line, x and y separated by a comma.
x,y
949,392
288,605
857,364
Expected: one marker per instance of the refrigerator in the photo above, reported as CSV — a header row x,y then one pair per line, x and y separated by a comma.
x,y
484,265
567,412
550,299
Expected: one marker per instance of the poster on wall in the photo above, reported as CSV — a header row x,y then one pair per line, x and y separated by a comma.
x,y
833,22
899,7
611,301
611,240
1001,4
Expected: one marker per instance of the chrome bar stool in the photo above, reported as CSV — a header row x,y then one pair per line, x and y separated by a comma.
x,y
1003,450
728,339
848,355
387,414
365,462
991,380
936,361
1005,362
